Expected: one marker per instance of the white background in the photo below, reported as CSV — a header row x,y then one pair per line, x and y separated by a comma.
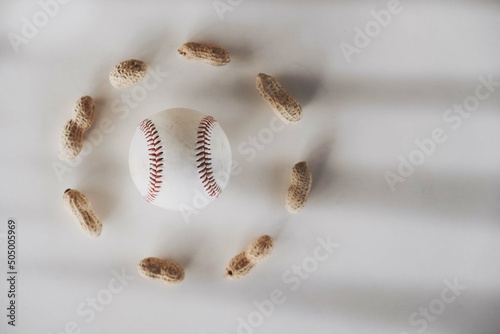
x,y
397,248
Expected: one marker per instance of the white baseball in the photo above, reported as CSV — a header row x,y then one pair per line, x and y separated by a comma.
x,y
180,158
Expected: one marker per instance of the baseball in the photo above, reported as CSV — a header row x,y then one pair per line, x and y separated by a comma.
x,y
180,158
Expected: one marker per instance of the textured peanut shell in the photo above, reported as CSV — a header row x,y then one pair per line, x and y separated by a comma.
x,y
72,137
205,53
166,271
284,105
71,141
260,248
241,264
84,112
128,73
79,206
299,189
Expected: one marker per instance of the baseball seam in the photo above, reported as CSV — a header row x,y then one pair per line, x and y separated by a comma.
x,y
155,150
204,157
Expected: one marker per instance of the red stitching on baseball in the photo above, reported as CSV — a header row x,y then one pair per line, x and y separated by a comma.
x,y
204,156
155,159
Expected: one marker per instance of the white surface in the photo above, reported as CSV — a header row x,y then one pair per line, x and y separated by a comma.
x,y
396,248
